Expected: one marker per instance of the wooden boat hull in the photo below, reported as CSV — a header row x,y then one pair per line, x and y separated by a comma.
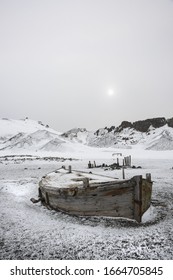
x,y
126,198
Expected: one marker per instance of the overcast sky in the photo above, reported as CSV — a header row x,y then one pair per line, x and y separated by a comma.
x,y
86,63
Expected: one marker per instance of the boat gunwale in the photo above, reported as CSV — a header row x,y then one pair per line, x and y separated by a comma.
x,y
135,184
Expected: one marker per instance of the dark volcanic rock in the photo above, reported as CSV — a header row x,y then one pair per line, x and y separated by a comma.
x,y
109,129
143,126
170,122
124,124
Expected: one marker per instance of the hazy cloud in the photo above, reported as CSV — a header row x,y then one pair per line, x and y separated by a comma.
x,y
59,59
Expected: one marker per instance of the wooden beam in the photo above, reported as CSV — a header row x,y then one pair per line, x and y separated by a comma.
x,y
138,199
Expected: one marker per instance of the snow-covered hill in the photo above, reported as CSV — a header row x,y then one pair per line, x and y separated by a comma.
x,y
155,139
31,136
77,135
155,134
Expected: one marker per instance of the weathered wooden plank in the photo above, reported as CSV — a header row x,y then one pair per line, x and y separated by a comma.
x,y
146,195
97,205
125,198
138,199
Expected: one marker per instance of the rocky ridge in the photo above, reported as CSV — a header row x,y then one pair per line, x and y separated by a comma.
x,y
155,134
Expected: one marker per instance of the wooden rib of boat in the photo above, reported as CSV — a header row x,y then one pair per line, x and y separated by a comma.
x,y
86,194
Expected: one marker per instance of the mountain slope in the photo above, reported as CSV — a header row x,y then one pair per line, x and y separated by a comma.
x,y
155,134
10,127
25,134
29,135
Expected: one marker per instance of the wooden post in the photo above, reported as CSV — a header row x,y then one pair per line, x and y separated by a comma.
x,y
85,182
69,169
117,161
148,177
130,161
138,199
123,172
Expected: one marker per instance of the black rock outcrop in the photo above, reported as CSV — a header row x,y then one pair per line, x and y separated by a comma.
x,y
170,122
144,125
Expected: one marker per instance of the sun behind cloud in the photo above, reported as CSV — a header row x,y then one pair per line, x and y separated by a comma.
x,y
110,92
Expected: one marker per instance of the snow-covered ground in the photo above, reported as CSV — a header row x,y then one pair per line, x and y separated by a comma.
x,y
31,231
